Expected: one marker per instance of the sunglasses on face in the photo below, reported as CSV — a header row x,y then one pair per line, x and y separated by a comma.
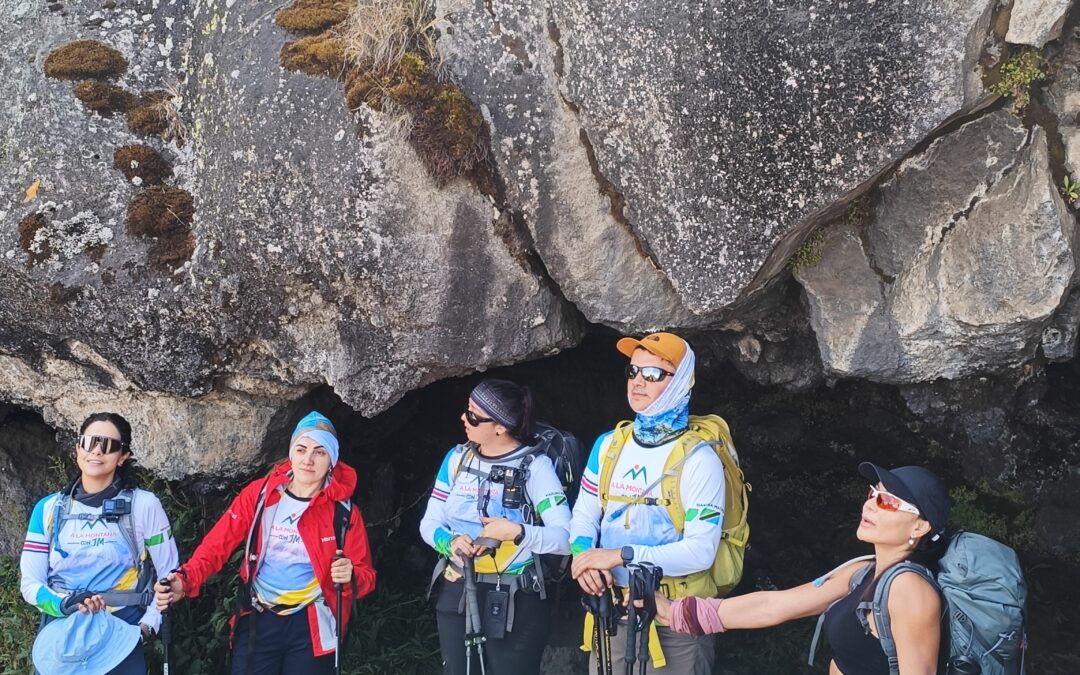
x,y
886,501
475,420
648,373
107,445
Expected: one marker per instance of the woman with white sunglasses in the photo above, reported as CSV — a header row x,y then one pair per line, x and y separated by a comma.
x,y
904,517
100,542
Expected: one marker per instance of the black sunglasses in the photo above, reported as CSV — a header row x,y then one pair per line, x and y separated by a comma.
x,y
107,445
648,373
475,420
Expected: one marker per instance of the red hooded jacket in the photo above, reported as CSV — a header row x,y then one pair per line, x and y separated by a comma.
x,y
316,529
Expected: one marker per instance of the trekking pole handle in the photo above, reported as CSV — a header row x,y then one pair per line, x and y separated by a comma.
x,y
166,625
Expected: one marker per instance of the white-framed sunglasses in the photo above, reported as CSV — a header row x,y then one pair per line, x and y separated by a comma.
x,y
887,501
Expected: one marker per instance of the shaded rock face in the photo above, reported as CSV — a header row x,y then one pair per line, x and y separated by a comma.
x,y
319,251
970,252
716,129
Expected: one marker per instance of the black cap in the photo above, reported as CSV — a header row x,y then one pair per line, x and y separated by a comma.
x,y
917,485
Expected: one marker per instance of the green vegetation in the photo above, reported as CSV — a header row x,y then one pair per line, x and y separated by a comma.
x,y
809,254
1001,515
1070,189
1017,75
18,622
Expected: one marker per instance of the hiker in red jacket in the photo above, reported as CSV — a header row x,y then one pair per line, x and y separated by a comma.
x,y
294,558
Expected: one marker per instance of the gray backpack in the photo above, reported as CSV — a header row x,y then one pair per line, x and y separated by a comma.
x,y
984,592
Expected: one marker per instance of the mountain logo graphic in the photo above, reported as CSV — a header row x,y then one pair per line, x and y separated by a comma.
x,y
636,472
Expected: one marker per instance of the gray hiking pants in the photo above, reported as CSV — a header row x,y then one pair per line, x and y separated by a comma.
x,y
685,654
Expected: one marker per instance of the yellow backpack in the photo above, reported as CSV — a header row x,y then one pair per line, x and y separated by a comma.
x,y
727,567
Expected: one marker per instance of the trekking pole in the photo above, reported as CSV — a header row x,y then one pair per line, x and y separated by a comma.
x,y
337,620
166,631
474,638
644,583
600,607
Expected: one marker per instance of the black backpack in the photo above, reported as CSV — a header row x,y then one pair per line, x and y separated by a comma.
x,y
567,455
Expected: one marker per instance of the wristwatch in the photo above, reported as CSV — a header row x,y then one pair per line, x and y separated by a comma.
x,y
627,555
521,536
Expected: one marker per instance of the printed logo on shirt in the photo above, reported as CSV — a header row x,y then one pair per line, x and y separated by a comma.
x,y
704,514
91,523
291,519
546,504
636,472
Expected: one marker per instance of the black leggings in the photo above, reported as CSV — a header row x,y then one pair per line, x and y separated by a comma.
x,y
518,653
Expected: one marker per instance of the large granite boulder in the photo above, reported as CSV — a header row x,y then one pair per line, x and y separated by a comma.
x,y
293,242
969,254
689,145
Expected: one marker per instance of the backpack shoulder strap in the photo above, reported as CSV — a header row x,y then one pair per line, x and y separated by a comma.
x,y
615,446
713,431
880,608
467,453
856,579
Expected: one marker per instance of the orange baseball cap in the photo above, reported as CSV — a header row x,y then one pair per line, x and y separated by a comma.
x,y
665,345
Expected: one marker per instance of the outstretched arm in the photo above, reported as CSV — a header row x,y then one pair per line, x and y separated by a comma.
x,y
772,608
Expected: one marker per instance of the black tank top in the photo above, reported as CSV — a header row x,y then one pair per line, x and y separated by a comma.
x,y
855,650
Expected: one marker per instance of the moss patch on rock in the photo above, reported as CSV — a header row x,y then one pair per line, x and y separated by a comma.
x,y
809,254
147,119
85,59
448,131
164,213
103,97
319,55
312,16
28,229
143,162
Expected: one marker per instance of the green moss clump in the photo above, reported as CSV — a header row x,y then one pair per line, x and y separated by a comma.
x,y
84,59
28,229
448,131
312,16
143,162
319,55
103,97
809,254
165,213
859,212
1017,75
450,135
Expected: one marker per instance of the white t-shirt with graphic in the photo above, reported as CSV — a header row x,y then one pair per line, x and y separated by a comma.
x,y
286,580
648,528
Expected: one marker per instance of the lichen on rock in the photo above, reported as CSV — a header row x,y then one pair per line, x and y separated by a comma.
x,y
55,241
83,59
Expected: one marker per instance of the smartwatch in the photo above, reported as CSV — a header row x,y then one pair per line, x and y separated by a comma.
x,y
627,555
521,536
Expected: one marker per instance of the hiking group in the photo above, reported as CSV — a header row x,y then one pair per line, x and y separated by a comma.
x,y
651,525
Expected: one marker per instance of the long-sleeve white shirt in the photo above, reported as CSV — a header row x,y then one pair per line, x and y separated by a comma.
x,y
647,528
92,554
462,490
